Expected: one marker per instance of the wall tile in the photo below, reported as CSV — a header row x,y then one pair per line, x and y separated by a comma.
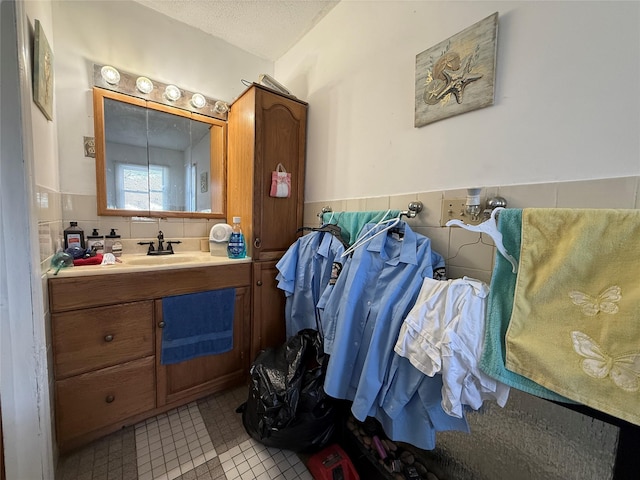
x,y
336,206
530,196
466,249
459,272
431,209
144,228
45,240
195,227
57,235
48,204
79,208
211,222
355,205
401,202
121,224
605,193
311,210
377,203
477,260
170,229
439,239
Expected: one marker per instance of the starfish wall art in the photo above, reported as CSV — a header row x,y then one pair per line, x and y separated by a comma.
x,y
457,75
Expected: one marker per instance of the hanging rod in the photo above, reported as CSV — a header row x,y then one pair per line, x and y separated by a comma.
x,y
413,209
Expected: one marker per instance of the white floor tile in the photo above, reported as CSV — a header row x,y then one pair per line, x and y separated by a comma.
x,y
176,442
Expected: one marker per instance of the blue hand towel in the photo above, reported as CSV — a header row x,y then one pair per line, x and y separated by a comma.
x,y
351,223
499,308
197,324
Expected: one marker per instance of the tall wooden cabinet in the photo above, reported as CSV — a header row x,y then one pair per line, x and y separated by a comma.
x,y
264,129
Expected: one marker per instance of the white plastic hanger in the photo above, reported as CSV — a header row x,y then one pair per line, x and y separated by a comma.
x,y
490,227
363,239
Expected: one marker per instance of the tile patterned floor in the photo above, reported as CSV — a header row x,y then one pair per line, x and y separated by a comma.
x,y
204,440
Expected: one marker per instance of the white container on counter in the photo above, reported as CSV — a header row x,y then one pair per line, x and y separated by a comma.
x,y
219,239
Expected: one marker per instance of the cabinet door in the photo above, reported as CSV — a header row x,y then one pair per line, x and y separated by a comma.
x,y
268,309
192,379
281,125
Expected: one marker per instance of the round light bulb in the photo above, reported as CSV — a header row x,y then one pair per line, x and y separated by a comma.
x,y
144,85
172,92
110,75
221,107
198,100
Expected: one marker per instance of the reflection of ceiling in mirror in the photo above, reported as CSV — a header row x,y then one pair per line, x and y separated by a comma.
x,y
127,124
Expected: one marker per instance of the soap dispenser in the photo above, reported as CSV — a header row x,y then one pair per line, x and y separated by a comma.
x,y
112,243
95,241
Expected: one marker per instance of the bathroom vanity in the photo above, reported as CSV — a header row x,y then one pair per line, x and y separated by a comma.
x,y
107,322
107,331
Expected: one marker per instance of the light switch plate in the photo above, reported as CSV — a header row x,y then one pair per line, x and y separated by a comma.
x,y
454,209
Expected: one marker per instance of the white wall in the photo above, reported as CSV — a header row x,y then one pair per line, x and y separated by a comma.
x,y
46,148
138,40
566,101
28,155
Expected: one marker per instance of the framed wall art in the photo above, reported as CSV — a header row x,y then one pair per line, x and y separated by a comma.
x,y
458,74
204,182
42,72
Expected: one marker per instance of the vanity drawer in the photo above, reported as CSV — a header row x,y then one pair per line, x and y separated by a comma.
x,y
105,397
93,338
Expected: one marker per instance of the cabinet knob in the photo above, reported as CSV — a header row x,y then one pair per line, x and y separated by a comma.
x,y
110,398
161,324
108,338
259,283
257,242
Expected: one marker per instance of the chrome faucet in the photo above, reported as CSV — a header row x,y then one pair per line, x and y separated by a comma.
x,y
161,250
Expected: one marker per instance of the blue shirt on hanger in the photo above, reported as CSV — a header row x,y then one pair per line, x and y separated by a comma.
x,y
304,271
363,315
361,320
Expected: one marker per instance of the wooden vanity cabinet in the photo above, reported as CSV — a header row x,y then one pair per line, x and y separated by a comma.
x,y
106,348
266,128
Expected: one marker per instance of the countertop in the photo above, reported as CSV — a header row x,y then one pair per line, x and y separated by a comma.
x,y
130,263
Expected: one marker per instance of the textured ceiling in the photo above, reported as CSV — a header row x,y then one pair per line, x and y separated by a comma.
x,y
266,28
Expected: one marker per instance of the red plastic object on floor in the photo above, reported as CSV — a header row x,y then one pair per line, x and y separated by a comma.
x,y
332,463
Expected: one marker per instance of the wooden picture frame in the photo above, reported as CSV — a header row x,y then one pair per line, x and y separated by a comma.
x,y
42,72
458,74
204,182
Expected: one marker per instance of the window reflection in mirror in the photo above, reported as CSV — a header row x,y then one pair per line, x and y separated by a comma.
x,y
156,160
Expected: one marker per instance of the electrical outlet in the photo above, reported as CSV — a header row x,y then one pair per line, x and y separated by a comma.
x,y
454,208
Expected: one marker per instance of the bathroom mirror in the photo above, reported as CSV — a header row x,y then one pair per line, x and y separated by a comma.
x,y
158,161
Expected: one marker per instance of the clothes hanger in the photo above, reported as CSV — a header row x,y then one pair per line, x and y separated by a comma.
x,y
490,227
331,228
392,222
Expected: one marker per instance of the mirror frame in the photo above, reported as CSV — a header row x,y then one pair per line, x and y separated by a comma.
x,y
218,166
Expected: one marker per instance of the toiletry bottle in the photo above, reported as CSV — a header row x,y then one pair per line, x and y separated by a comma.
x,y
112,243
95,241
237,247
73,236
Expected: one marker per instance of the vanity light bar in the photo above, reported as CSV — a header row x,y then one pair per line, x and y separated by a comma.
x,y
108,77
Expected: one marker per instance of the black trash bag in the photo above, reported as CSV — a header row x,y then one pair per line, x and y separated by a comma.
x,y
287,406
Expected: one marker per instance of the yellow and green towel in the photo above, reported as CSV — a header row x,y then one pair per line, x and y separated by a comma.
x,y
575,325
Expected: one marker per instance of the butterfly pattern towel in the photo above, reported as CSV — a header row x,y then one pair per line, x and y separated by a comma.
x,y
575,326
